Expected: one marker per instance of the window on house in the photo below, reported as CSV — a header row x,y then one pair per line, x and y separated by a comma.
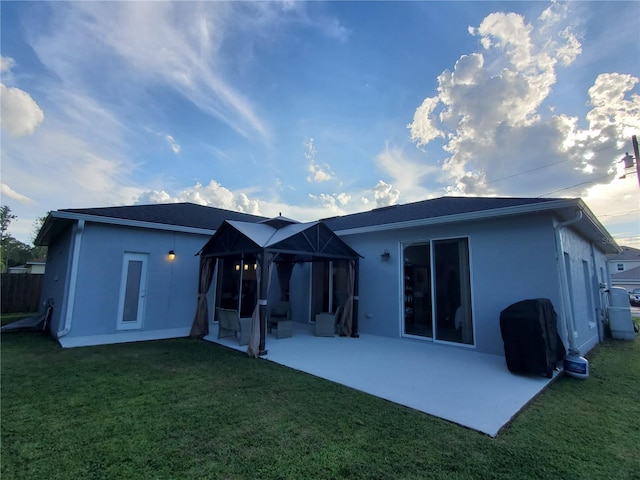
x,y
621,267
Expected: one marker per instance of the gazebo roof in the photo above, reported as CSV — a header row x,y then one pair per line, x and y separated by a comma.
x,y
301,242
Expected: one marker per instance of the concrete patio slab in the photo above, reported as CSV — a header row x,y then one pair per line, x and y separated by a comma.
x,y
457,384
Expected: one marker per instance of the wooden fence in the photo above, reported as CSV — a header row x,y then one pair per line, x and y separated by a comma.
x,y
20,292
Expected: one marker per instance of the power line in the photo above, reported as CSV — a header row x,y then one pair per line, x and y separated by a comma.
x,y
544,166
620,214
576,185
527,171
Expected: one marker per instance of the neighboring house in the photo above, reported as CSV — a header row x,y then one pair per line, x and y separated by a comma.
x,y
440,270
34,267
625,268
18,269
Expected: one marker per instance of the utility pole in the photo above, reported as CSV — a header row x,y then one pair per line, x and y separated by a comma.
x,y
634,140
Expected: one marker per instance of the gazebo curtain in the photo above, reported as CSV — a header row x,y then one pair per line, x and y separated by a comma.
x,y
346,322
200,326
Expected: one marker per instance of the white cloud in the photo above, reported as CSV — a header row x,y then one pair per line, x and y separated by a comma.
x,y
194,48
175,147
408,175
7,191
424,127
384,194
617,206
325,200
343,198
6,64
72,160
488,114
21,115
212,195
317,172
179,46
333,202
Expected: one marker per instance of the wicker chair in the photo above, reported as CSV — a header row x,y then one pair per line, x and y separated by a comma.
x,y
326,323
279,318
231,325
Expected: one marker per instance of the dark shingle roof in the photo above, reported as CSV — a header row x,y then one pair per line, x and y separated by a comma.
x,y
426,209
627,254
185,216
178,214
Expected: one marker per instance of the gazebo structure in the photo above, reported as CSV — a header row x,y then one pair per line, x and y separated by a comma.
x,y
245,253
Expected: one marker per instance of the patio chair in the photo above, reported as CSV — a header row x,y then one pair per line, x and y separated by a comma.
x,y
327,322
231,325
279,318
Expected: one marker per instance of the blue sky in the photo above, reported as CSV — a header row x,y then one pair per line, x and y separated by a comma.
x,y
316,109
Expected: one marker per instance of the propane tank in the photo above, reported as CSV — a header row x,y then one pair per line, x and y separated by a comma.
x,y
576,366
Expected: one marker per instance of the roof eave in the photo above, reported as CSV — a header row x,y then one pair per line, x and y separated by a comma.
x,y
601,237
463,217
43,237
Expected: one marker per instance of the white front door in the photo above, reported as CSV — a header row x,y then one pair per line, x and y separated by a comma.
x,y
133,286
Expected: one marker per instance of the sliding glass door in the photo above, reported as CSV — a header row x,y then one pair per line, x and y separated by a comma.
x,y
437,291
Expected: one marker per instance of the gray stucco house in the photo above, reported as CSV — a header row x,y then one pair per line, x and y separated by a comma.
x,y
438,270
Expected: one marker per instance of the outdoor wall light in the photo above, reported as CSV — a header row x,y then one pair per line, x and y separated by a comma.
x,y
172,255
246,266
385,255
237,267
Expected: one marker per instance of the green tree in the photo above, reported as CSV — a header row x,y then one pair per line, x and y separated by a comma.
x,y
38,252
5,218
12,251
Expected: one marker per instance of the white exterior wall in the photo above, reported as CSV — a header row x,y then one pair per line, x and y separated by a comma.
x,y
171,291
56,278
510,260
587,268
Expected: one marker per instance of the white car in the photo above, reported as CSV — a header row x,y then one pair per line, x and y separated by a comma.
x,y
634,297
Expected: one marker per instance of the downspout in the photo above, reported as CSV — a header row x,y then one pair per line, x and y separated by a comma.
x,y
564,285
73,279
600,308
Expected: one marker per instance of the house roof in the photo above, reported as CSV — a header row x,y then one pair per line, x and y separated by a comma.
x,y
192,218
628,254
632,274
458,209
443,207
186,217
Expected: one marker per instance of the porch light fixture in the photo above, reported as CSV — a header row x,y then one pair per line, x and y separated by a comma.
x,y
172,255
246,266
385,255
237,267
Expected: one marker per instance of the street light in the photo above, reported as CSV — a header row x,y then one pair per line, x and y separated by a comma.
x,y
629,159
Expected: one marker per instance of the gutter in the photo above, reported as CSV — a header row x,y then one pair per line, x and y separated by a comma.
x,y
73,279
569,321
131,223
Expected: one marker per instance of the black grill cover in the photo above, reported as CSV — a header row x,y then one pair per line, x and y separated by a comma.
x,y
530,336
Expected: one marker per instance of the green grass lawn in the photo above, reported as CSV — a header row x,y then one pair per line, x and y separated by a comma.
x,y
181,409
